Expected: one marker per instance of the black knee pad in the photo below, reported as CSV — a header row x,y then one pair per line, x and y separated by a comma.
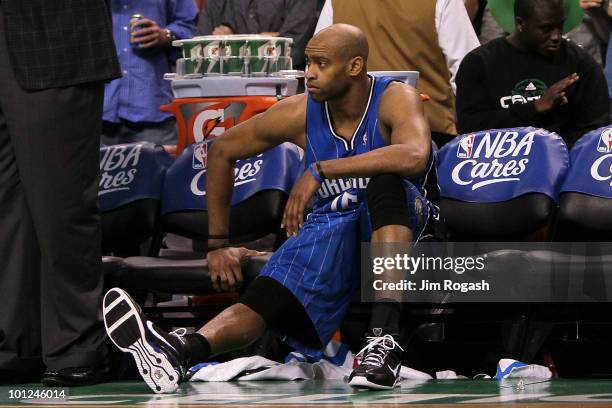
x,y
281,310
387,201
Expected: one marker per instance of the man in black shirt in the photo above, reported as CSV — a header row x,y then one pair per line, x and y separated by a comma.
x,y
533,77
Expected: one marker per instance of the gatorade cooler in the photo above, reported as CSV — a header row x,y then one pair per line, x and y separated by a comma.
x,y
224,80
208,106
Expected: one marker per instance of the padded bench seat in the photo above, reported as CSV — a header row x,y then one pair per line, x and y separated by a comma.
x,y
187,276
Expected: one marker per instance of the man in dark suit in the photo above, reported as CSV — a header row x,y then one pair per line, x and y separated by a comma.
x,y
55,56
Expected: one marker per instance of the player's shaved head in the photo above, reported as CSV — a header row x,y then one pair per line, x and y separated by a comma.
x,y
336,62
340,40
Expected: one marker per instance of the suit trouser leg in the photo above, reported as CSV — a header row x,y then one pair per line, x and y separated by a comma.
x,y
20,344
54,137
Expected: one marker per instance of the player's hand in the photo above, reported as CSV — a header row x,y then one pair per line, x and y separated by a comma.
x,y
224,267
148,34
301,193
555,95
222,30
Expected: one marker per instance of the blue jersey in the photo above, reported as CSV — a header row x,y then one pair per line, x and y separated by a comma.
x,y
322,143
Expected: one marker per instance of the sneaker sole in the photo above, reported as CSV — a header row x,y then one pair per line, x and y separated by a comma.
x,y
126,330
363,383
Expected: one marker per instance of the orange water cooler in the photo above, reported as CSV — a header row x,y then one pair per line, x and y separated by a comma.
x,y
206,107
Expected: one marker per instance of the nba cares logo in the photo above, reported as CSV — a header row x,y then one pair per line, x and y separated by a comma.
x,y
601,169
496,157
245,171
200,156
466,147
605,141
119,167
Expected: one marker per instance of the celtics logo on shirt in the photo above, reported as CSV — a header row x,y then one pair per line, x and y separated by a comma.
x,y
525,91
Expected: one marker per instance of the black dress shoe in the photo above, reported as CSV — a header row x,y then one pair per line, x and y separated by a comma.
x,y
75,376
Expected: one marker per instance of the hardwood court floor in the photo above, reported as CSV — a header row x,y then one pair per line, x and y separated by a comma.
x,y
433,394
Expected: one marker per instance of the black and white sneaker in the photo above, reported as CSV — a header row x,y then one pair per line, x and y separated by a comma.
x,y
381,362
159,355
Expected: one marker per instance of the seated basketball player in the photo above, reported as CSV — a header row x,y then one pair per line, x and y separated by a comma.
x,y
353,128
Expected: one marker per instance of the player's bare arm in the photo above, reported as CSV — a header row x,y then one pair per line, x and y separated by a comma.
x,y
403,124
284,122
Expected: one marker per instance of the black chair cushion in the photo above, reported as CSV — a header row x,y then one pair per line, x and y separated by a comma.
x,y
584,218
129,225
251,219
504,221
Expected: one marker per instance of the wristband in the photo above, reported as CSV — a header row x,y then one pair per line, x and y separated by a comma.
x,y
314,173
320,170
